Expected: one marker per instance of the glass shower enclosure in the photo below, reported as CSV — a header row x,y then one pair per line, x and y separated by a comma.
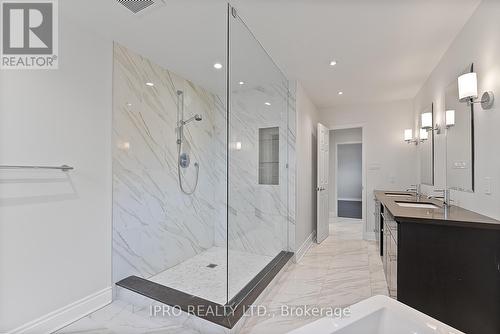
x,y
201,147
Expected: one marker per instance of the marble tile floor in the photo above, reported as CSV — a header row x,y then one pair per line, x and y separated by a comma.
x,y
194,277
341,271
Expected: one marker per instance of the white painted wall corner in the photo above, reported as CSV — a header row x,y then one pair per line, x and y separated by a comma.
x,y
299,254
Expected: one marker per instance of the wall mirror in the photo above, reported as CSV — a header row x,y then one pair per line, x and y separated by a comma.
x,y
459,141
426,146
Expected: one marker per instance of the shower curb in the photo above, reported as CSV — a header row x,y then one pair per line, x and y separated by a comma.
x,y
224,315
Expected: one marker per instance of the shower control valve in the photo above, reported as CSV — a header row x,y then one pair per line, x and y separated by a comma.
x,y
184,160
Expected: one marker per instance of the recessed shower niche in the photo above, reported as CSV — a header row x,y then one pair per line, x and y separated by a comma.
x,y
269,156
196,216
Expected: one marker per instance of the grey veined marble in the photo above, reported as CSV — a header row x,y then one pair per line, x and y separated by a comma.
x,y
155,225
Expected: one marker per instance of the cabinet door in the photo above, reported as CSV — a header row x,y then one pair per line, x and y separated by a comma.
x,y
393,271
387,237
376,214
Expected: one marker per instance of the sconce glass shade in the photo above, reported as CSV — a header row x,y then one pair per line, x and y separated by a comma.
x,y
450,118
427,120
408,135
424,135
467,86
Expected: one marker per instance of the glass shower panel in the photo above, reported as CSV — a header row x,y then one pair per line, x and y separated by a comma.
x,y
257,174
169,154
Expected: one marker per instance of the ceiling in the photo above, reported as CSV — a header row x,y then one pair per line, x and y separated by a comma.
x,y
385,49
184,36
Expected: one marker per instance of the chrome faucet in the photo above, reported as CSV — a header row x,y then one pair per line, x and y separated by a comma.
x,y
445,196
415,188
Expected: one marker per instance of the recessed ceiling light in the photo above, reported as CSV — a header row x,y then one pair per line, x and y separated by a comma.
x,y
129,104
150,84
241,82
333,63
341,93
267,104
217,66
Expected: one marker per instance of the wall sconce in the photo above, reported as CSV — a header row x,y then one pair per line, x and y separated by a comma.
x,y
467,91
237,145
409,137
424,135
450,118
426,121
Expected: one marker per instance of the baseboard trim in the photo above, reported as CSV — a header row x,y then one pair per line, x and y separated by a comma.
x,y
66,315
226,315
299,254
345,219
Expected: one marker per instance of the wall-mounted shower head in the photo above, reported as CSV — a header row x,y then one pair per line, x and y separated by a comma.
x,y
183,157
196,117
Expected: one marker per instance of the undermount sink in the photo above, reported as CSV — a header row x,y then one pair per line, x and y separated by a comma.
x,y
397,195
417,205
378,315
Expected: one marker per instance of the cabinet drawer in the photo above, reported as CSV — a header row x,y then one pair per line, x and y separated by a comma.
x,y
385,259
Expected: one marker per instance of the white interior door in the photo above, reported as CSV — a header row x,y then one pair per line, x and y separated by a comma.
x,y
322,186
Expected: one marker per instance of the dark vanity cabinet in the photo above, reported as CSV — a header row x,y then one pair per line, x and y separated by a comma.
x,y
451,274
446,265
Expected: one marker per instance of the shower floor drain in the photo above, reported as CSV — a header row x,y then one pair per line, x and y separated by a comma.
x,y
212,265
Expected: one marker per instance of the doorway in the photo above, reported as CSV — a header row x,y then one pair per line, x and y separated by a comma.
x,y
346,171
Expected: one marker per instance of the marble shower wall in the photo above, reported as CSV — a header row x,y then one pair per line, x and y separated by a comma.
x,y
257,221
155,225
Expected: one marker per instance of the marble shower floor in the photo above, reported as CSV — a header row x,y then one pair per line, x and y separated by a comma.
x,y
341,271
194,277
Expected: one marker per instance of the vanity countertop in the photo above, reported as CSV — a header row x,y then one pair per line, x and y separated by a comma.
x,y
451,216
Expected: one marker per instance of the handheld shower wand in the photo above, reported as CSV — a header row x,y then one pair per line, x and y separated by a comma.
x,y
183,159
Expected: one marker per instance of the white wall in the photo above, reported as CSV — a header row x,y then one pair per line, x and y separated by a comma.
x,y
390,162
477,43
55,228
307,119
339,136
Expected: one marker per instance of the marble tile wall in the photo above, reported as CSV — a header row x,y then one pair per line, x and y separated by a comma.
x,y
258,212
155,225
257,221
